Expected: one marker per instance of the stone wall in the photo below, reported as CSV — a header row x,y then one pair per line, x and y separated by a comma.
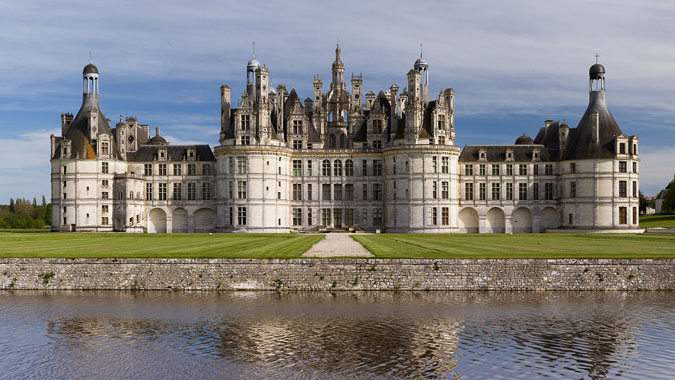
x,y
338,274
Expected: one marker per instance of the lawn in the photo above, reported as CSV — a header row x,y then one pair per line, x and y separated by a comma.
x,y
651,221
155,245
519,245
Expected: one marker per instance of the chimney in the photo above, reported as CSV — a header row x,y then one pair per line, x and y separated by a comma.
x,y
393,114
224,109
66,119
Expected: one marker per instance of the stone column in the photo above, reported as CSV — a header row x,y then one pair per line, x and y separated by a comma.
x,y
508,224
191,223
482,224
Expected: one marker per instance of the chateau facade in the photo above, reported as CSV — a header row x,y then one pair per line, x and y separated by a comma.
x,y
341,159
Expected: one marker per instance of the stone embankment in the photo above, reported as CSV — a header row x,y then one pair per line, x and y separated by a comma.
x,y
338,274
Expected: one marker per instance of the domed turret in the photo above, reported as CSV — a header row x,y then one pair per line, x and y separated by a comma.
x,y
597,71
158,140
90,69
524,140
253,64
596,75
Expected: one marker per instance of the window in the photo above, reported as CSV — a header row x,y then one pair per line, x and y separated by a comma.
x,y
230,189
349,216
364,168
495,169
325,217
445,216
325,168
64,195
337,192
535,191
377,126
349,168
468,169
522,169
148,191
309,191
206,169
365,216
242,165
161,192
297,144
349,192
309,146
570,218
622,150
622,167
65,169
242,189
468,191
635,189
337,217
535,168
297,127
325,192
162,169
622,189
377,144
309,216
206,191
548,191
623,219
104,220
309,168
337,168
192,169
364,193
377,191
634,167
573,167
377,216
444,165
509,191
104,167
481,191
297,168
481,169
377,168
635,215
297,192
434,164
407,166
104,183
509,169
573,189
241,216
192,191
245,122
522,191
495,191
147,169
297,216
441,121
445,190
548,169
104,209
177,191
434,216
120,195
434,190
441,140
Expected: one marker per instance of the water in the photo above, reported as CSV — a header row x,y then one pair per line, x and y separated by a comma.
x,y
468,335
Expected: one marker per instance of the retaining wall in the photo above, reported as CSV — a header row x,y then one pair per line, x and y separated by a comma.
x,y
338,274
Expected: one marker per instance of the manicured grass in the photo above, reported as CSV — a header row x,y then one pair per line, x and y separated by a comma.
x,y
463,246
155,245
651,221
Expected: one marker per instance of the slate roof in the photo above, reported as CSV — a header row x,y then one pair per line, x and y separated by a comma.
x,y
497,153
147,153
581,145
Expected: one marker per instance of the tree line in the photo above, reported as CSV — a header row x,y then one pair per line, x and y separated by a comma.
x,y
22,213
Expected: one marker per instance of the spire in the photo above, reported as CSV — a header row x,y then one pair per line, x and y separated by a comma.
x,y
421,55
253,49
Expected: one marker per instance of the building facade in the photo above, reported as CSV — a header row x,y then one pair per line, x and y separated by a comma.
x,y
341,159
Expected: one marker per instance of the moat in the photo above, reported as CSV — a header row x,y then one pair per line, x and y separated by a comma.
x,y
344,335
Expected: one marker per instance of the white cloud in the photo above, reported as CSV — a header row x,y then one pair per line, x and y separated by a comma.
x,y
656,168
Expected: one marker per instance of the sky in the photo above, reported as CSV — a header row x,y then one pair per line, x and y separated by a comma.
x,y
513,65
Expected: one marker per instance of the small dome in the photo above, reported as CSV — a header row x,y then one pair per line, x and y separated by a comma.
x,y
597,71
90,69
524,140
421,63
253,64
158,140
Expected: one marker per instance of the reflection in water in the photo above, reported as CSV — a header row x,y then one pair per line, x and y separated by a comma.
x,y
343,335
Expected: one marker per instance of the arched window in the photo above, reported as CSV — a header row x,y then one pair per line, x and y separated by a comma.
x,y
343,141
349,168
337,168
325,168
331,141
344,116
331,116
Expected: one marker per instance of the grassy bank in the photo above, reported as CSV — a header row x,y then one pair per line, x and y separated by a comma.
x,y
519,245
155,245
652,221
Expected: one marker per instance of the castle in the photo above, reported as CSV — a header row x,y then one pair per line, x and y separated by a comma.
x,y
341,159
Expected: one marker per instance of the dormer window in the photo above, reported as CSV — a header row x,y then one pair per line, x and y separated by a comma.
x,y
482,155
377,126
509,154
162,155
297,127
105,150
441,121
245,122
622,148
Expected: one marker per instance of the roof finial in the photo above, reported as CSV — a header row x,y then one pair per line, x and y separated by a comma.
x,y
253,49
596,57
420,50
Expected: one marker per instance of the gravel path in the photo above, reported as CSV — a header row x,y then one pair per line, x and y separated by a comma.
x,y
336,245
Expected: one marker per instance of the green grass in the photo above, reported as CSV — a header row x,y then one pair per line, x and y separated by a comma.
x,y
651,221
490,246
155,245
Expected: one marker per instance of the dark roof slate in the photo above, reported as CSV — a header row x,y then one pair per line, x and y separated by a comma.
x,y
147,153
497,153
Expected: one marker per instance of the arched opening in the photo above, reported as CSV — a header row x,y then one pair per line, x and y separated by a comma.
x,y
157,221
337,168
180,221
349,168
331,116
549,219
331,141
343,141
495,221
344,116
205,220
468,220
522,221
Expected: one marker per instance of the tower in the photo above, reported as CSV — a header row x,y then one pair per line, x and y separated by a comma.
x,y
251,68
422,67
357,82
338,70
317,91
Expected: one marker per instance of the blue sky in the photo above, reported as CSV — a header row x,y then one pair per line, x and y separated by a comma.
x,y
513,64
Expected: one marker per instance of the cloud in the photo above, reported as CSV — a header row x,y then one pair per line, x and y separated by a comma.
x,y
656,168
24,165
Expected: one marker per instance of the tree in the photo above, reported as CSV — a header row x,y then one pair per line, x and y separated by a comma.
x,y
48,214
643,203
44,201
34,202
11,205
669,200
